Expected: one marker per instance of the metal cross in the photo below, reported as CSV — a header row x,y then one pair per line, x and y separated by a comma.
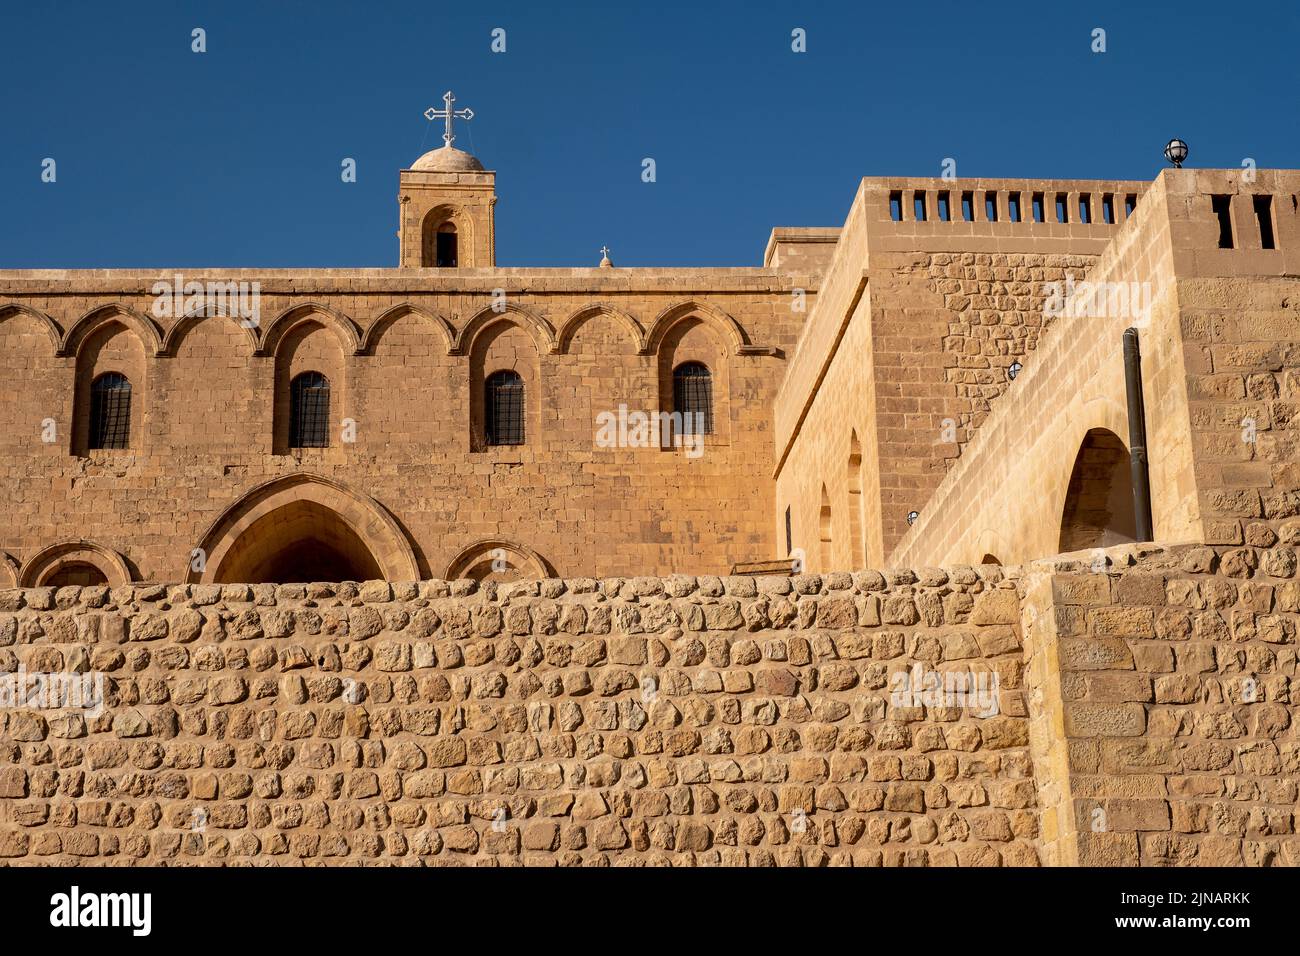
x,y
447,113
604,252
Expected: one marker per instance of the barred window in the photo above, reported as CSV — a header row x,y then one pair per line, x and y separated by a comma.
x,y
693,398
309,411
503,407
110,411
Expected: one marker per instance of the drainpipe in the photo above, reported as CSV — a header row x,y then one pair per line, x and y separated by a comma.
x,y
1137,436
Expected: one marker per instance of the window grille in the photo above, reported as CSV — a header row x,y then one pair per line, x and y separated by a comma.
x,y
110,411
693,398
503,405
309,411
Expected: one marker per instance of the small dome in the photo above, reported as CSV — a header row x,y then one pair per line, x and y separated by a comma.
x,y
448,159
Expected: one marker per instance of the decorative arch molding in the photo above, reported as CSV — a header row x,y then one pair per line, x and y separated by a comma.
x,y
145,328
348,333
722,323
529,563
573,322
51,327
541,331
380,325
47,562
10,570
364,516
172,337
444,212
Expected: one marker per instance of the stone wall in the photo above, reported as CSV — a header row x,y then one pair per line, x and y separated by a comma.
x,y
1219,369
1171,679
916,325
681,721
406,354
642,721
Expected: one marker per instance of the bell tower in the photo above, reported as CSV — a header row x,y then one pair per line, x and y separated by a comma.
x,y
445,205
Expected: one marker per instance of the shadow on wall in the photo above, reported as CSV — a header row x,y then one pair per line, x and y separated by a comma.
x,y
1098,509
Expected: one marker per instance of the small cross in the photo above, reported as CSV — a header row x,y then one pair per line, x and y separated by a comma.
x,y
447,113
604,252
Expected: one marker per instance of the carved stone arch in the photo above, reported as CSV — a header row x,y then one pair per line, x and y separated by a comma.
x,y
728,329
240,527
445,212
381,324
573,322
10,570
536,326
47,563
51,327
172,337
512,561
348,333
145,328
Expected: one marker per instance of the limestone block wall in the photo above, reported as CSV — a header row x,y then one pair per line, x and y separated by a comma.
x,y
1164,710
1241,334
917,323
682,721
1219,353
1005,495
405,352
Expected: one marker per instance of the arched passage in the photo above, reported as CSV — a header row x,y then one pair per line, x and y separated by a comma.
x,y
303,528
1098,508
824,531
301,542
853,477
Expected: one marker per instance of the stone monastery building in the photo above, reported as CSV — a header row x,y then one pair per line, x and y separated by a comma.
x,y
940,380
232,497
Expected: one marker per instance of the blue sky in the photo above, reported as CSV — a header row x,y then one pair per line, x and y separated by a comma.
x,y
232,157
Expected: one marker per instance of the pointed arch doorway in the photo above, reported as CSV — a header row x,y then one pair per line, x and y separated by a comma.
x,y
302,529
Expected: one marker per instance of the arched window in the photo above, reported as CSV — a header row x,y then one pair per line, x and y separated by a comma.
x,y
309,411
110,411
503,407
445,250
693,398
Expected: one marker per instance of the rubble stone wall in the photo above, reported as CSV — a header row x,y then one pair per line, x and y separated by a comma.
x,y
667,721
